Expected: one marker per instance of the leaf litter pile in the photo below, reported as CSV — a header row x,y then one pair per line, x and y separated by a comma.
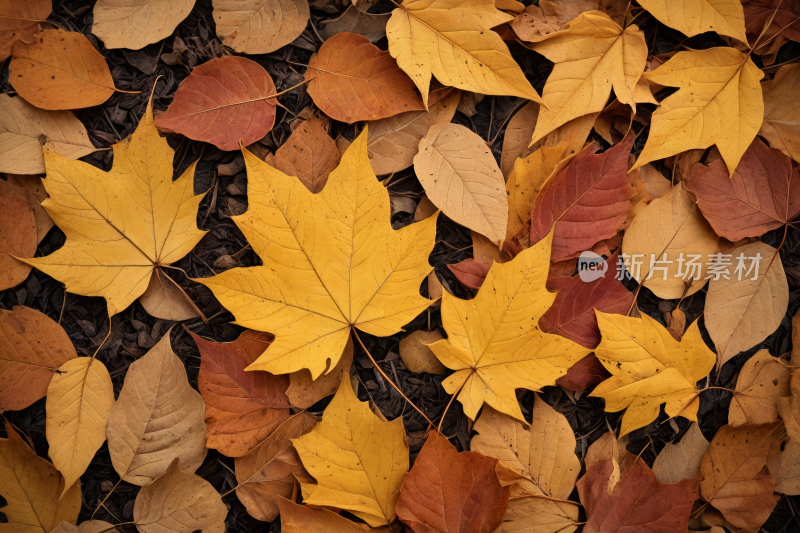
x,y
445,266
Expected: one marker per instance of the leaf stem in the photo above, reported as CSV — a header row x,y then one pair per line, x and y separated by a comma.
x,y
444,413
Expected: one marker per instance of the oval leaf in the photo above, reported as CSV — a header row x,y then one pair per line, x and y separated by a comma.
x,y
134,24
259,27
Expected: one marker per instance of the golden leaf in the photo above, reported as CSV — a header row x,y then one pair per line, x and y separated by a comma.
x,y
693,17
762,380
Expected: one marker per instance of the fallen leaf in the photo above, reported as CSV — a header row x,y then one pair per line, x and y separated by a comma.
x,y
586,202
241,408
224,102
394,141
518,136
538,515
649,368
721,107
32,348
787,480
638,502
648,184
779,15
353,20
585,372
258,27
537,22
762,380
304,392
740,313
35,193
572,314
165,299
725,17
134,24
416,354
158,417
738,473
18,236
505,350
616,9
592,56
326,297
309,153
267,475
358,460
789,408
429,38
461,177
763,194
668,244
60,70
681,461
33,488
20,21
450,492
104,255
304,519
178,502
90,526
79,400
781,126
351,79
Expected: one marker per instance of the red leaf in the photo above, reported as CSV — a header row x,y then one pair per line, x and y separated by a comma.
x,y
470,273
587,201
222,102
451,492
585,372
242,408
638,502
763,193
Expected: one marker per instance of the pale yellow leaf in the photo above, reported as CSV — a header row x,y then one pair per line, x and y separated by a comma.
x,y
136,23
258,26
416,354
682,460
693,17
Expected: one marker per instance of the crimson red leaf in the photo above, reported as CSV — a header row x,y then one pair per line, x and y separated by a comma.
x,y
470,273
585,372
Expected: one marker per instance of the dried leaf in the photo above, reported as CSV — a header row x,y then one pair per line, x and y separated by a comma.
x,y
309,153
223,102
725,17
433,38
762,380
538,515
20,21
358,460
518,135
79,401
537,22
738,473
166,299
648,184
242,408
158,417
32,348
781,126
781,18
35,193
31,489
649,367
258,27
416,354
304,392
353,20
585,372
134,24
18,236
60,70
787,479
267,475
90,526
451,492
304,519
681,461
461,177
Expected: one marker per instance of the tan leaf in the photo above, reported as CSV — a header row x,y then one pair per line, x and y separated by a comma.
x,y
90,526
31,488
79,401
417,356
648,184
393,142
303,392
725,17
268,474
18,236
167,300
20,21
762,380
787,480
518,136
257,26
32,348
35,194
781,126
22,128
538,515
789,408
304,519
309,153
157,417
136,23
537,22
461,177
60,70
177,502
740,313
373,27
670,226
682,460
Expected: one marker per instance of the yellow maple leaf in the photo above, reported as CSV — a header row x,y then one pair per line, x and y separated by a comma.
x,y
693,17
453,40
494,342
120,225
331,262
649,367
592,56
719,102
358,460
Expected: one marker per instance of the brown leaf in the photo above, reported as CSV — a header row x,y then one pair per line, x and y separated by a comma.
x,y
134,24
304,519
648,184
353,20
470,273
417,356
763,194
587,201
538,515
352,80
303,392
18,236
20,21
585,372
268,474
451,492
32,348
518,136
781,126
780,16
538,21
259,27
60,70
309,153
789,408
90,526
738,473
158,417
682,460
167,300
177,502
223,102
35,193
787,479
242,408
762,380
